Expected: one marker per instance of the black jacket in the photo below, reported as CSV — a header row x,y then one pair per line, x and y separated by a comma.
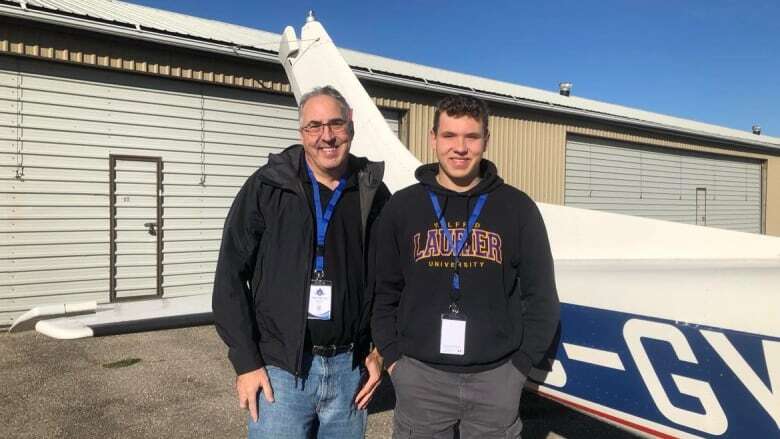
x,y
507,282
264,269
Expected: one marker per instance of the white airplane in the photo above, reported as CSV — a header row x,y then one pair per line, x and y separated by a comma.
x,y
667,330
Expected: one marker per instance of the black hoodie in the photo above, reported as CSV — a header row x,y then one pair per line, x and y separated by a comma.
x,y
507,282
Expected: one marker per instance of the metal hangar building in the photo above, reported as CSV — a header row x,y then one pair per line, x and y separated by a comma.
x,y
125,132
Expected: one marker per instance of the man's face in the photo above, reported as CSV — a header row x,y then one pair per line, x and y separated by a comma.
x,y
459,145
326,147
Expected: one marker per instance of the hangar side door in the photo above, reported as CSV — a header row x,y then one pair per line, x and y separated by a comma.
x,y
135,227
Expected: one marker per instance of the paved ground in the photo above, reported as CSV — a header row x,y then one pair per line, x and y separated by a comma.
x,y
173,384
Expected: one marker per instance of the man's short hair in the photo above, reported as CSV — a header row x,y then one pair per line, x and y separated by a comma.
x,y
325,91
459,106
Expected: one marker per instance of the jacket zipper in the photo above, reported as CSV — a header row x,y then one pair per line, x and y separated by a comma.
x,y
306,287
365,309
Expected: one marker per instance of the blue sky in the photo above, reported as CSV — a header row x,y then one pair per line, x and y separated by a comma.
x,y
714,61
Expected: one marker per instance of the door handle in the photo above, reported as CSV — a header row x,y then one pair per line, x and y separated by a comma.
x,y
152,228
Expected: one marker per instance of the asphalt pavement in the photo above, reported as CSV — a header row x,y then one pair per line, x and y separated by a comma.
x,y
173,384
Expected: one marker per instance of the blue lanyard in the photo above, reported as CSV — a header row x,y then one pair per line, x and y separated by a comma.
x,y
457,247
323,219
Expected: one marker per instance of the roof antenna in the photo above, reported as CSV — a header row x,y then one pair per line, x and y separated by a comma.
x,y
310,16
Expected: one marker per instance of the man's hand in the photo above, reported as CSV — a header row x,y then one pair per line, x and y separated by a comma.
x,y
247,385
374,369
392,366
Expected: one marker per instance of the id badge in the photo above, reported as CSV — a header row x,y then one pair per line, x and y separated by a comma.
x,y
453,334
320,293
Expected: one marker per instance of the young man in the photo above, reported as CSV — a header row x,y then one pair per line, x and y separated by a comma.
x,y
465,300
290,297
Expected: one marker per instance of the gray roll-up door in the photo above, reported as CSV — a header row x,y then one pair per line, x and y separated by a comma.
x,y
663,183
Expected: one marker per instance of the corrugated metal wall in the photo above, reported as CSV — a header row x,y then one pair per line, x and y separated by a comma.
x,y
39,41
772,196
58,126
55,238
528,146
528,155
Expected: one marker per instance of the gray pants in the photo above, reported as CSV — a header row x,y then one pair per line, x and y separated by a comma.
x,y
431,403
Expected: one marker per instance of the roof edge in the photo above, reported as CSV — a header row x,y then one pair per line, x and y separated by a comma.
x,y
87,23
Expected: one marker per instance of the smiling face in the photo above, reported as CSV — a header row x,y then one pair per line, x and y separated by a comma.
x,y
459,143
326,149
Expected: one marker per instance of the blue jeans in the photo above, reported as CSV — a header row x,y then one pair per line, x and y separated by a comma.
x,y
319,404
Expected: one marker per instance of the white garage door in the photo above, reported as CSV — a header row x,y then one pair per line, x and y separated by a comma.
x,y
660,183
74,228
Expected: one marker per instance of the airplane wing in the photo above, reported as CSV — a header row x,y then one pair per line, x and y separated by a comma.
x,y
90,319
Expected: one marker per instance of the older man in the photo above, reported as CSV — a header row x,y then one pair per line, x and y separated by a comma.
x,y
290,296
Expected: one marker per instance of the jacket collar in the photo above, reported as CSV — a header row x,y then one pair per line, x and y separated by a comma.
x,y
282,169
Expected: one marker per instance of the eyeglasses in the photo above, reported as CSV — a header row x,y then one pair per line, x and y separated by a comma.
x,y
337,126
